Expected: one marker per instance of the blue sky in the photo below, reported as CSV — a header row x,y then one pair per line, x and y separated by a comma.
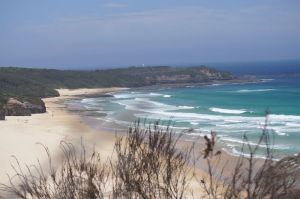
x,y
104,33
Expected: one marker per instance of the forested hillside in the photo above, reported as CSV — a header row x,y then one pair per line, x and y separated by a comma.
x,y
32,84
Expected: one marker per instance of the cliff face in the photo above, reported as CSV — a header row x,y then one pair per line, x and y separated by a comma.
x,y
36,107
15,107
181,75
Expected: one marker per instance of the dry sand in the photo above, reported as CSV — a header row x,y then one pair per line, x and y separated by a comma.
x,y
20,135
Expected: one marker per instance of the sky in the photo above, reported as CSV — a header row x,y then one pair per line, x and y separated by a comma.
x,y
70,34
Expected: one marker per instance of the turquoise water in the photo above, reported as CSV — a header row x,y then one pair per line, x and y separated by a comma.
x,y
230,110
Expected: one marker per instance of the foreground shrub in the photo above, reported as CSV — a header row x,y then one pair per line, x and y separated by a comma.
x,y
78,177
252,178
145,164
151,163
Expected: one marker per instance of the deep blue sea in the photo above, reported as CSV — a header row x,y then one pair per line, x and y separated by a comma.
x,y
260,67
231,110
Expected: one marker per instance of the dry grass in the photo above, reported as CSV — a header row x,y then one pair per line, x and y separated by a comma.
x,y
78,177
149,164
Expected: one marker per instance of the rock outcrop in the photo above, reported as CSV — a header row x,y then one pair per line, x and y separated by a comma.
x,y
14,107
2,114
38,107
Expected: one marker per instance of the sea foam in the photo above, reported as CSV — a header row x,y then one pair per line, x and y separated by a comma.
x,y
254,90
185,107
228,111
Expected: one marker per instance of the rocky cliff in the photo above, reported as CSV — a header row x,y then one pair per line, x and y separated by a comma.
x,y
172,75
14,107
36,106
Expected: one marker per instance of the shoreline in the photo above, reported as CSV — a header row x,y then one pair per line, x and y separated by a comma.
x,y
185,140
21,136
83,95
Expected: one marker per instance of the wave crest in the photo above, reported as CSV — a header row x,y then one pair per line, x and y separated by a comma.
x,y
254,90
228,111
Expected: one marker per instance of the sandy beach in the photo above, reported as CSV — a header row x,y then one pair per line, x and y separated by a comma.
x,y
20,135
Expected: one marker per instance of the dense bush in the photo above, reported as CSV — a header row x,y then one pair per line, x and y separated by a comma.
x,y
38,83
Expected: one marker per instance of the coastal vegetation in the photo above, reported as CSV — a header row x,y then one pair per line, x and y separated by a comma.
x,y
149,162
27,85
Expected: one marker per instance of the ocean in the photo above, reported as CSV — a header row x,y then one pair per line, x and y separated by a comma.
x,y
231,110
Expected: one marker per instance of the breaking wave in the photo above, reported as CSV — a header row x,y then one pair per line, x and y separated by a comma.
x,y
228,111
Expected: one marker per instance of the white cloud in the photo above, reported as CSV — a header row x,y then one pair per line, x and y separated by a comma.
x,y
189,33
